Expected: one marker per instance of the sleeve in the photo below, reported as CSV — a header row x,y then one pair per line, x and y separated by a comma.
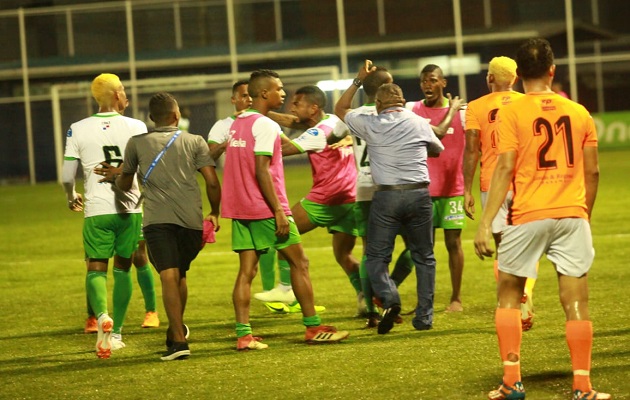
x,y
202,154
506,127
409,105
471,120
220,132
130,160
265,133
72,150
313,139
140,128
462,117
590,139
340,130
357,124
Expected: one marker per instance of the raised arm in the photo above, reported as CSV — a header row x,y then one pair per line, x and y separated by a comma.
x,y
344,104
287,120
455,104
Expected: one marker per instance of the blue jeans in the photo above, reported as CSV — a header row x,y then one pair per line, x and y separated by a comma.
x,y
391,210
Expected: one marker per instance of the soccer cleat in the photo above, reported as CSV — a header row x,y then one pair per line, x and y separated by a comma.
x,y
249,342
507,392
177,351
116,340
276,294
592,395
527,312
276,307
324,334
151,320
104,340
91,325
373,319
390,315
297,308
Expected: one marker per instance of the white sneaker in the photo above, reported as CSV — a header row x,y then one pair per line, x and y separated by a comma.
x,y
277,294
117,342
103,339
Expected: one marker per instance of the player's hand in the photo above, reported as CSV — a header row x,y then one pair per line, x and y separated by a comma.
x,y
108,172
469,205
214,219
76,204
455,103
282,224
365,70
346,141
482,241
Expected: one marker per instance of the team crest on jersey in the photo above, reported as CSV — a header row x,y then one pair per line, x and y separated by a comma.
x,y
105,125
69,133
313,131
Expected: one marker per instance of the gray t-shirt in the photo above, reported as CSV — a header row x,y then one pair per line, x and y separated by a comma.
x,y
397,142
171,192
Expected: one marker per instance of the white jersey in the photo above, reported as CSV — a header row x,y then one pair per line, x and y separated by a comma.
x,y
103,137
365,184
220,131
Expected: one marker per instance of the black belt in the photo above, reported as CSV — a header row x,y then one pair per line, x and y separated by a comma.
x,y
404,186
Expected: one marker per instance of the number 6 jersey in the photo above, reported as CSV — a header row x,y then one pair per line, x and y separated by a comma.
x,y
103,137
548,134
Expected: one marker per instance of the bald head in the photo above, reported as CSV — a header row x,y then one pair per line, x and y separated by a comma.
x,y
389,95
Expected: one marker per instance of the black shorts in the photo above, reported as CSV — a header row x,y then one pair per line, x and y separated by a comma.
x,y
172,246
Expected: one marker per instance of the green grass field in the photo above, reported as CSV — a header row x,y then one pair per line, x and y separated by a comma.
x,y
45,354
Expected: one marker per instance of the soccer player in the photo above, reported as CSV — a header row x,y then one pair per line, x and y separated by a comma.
x,y
254,197
330,202
481,142
112,218
217,141
447,180
547,146
168,159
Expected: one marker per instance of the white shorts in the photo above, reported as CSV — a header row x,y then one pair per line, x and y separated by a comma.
x,y
500,220
567,242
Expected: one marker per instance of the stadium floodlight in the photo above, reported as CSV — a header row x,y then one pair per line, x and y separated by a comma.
x,y
330,85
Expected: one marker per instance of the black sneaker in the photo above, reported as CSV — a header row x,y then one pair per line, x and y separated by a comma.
x,y
169,342
176,351
388,319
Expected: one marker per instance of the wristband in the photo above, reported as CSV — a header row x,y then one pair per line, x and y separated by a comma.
x,y
357,82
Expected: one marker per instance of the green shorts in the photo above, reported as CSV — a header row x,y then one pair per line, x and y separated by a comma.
x,y
361,215
448,212
260,235
338,218
106,235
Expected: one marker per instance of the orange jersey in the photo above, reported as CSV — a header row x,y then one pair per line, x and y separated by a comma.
x,y
548,134
481,115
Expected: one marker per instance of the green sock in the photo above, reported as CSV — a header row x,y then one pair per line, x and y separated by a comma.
x,y
367,286
268,269
315,320
355,280
243,329
96,289
404,266
285,272
122,295
147,285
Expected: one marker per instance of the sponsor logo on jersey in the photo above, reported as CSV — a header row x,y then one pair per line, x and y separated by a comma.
x,y
313,131
237,142
105,125
453,217
547,105
69,133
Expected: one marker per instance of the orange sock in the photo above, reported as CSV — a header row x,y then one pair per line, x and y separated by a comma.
x,y
509,331
496,270
580,341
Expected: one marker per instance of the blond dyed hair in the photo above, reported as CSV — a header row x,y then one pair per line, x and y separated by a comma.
x,y
503,69
103,88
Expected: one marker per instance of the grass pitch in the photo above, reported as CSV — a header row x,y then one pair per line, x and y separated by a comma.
x,y
45,354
